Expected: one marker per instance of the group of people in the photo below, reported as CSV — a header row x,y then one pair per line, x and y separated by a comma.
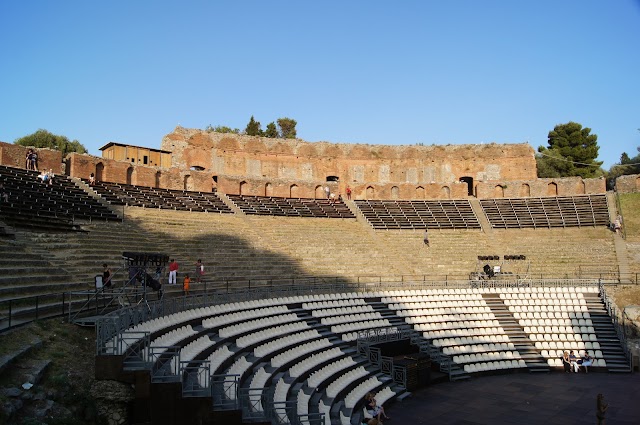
x,y
336,198
47,176
186,282
374,409
571,362
31,160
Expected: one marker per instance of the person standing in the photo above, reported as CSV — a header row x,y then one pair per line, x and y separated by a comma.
x,y
348,192
106,276
185,284
173,272
426,238
199,270
327,192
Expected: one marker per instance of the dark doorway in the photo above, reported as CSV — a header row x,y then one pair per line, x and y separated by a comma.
x,y
469,182
333,178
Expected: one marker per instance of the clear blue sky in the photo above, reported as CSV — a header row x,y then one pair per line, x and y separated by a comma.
x,y
377,72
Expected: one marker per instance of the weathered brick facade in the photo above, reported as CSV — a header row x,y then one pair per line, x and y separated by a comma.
x,y
628,184
14,156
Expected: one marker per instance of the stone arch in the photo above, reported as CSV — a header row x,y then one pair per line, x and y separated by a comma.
x,y
130,175
469,182
188,182
552,189
420,193
268,189
214,183
307,150
370,192
581,189
100,174
158,176
293,191
395,192
525,190
243,187
319,192
498,191
446,192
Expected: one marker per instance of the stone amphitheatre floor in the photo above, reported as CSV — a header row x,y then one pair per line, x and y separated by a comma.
x,y
522,398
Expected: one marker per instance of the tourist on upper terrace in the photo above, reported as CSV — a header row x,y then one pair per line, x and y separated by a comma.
x,y
617,225
4,195
348,192
199,270
327,192
33,160
92,179
173,272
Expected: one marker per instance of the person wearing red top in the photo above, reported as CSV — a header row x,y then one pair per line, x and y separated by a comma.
x,y
173,272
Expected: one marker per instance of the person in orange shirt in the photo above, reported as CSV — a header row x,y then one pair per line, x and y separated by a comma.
x,y
185,284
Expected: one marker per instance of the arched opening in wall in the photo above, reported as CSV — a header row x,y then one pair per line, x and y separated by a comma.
x,y
130,175
268,189
243,188
99,172
319,192
214,183
293,191
498,191
370,192
420,194
446,192
188,182
469,181
581,188
333,178
196,168
158,175
525,190
552,189
395,192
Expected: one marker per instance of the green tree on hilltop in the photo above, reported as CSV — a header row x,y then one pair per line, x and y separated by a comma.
x,y
287,128
572,151
271,131
253,128
45,139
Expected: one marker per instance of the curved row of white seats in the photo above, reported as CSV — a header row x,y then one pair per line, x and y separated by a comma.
x,y
439,311
360,391
570,315
250,323
239,367
570,337
314,360
348,327
189,351
548,354
556,322
326,409
333,304
478,348
551,289
559,329
495,365
302,404
547,308
272,332
169,339
487,357
429,305
457,315
460,332
440,319
546,302
345,380
541,295
558,362
432,298
216,359
453,324
483,339
334,320
281,391
342,310
258,381
353,336
277,344
299,351
317,377
565,345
